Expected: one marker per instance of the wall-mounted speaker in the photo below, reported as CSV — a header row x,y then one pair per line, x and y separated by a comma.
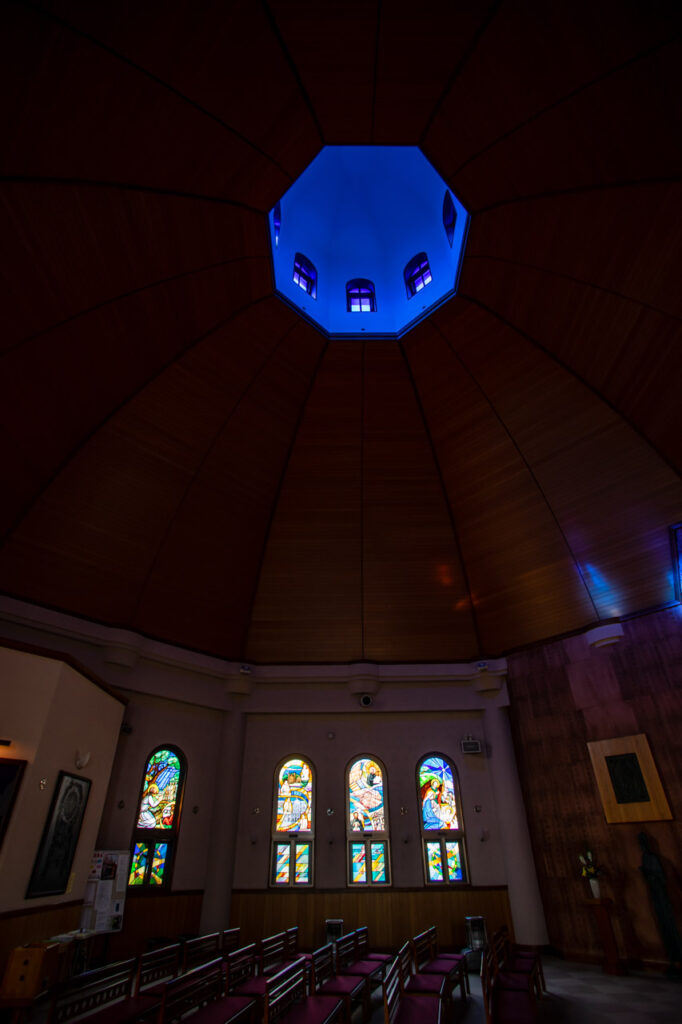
x,y
366,700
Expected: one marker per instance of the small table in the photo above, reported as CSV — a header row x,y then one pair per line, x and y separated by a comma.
x,y
612,963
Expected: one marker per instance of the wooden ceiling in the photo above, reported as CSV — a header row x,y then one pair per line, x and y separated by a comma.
x,y
185,457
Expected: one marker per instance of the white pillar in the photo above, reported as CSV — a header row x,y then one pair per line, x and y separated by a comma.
x,y
215,909
524,893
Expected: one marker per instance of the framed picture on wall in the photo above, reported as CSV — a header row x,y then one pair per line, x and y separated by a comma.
x,y
58,844
10,779
629,785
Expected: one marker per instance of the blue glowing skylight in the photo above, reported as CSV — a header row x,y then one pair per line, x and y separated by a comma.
x,y
382,234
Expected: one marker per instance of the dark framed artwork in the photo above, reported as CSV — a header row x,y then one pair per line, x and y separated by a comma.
x,y
10,779
53,862
629,785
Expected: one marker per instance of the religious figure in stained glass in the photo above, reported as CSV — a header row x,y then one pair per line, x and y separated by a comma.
x,y
437,793
157,806
294,797
366,796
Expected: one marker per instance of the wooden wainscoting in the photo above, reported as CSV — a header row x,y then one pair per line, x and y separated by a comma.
x,y
156,915
391,915
20,927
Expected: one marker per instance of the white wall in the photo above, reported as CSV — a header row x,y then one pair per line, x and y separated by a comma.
x,y
50,711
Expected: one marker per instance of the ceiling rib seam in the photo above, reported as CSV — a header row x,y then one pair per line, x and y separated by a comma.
x,y
376,70
561,100
122,186
122,296
451,516
606,186
51,16
573,373
202,462
577,280
294,70
77,448
488,18
278,495
529,469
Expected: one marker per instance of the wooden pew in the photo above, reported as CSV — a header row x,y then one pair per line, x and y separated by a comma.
x,y
200,950
425,963
156,967
350,988
455,958
103,996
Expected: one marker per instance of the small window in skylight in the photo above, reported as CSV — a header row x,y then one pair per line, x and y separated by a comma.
x,y
360,296
305,275
449,217
417,274
277,221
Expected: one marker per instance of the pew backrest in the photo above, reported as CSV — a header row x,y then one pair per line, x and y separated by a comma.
x,y
230,940
272,953
91,992
200,950
283,990
190,991
240,965
158,966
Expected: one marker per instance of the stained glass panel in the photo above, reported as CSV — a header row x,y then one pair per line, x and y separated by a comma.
x,y
157,806
295,797
379,862
454,862
302,866
366,797
158,864
358,862
437,793
282,860
138,865
434,862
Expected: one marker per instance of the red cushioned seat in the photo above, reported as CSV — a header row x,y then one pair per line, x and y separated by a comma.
x,y
225,1010
315,1009
127,1011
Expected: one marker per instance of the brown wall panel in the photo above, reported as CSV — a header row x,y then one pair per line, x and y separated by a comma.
x,y
308,605
159,916
415,594
20,929
391,917
523,579
563,695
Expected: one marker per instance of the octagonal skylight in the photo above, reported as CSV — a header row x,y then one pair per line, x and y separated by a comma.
x,y
368,240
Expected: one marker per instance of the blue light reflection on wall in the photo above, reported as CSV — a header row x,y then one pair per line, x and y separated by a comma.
x,y
365,211
605,596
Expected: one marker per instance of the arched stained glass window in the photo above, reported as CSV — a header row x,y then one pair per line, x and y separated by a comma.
x,y
292,848
442,835
158,818
305,274
417,274
366,822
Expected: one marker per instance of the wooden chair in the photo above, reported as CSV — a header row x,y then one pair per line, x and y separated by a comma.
x,y
415,1010
272,953
426,963
511,973
348,963
242,977
519,957
362,950
199,994
432,986
286,997
456,958
350,988
503,1005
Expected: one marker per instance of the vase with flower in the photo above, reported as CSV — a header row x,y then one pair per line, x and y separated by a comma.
x,y
591,871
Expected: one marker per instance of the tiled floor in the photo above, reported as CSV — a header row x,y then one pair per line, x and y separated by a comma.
x,y
583,994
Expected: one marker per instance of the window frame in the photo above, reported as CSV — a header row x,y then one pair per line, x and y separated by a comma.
x,y
442,836
449,217
415,270
306,271
152,837
293,839
367,837
359,285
